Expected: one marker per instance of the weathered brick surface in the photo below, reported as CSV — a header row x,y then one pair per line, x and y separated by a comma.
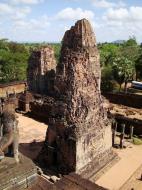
x,y
41,70
41,107
79,133
24,101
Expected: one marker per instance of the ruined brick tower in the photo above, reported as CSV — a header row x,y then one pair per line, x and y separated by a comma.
x,y
41,67
79,133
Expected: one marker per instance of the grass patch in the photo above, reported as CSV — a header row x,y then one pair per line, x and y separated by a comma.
x,y
137,141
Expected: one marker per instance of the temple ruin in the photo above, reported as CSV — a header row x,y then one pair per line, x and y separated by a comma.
x,y
82,126
79,135
41,68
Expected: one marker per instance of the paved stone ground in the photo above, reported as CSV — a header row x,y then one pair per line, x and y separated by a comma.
x,y
17,176
32,136
134,181
120,173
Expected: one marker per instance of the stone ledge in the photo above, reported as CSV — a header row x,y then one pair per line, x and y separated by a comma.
x,y
99,163
17,176
103,170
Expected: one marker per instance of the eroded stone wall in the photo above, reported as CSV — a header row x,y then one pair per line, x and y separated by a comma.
x,y
129,99
81,83
41,70
79,133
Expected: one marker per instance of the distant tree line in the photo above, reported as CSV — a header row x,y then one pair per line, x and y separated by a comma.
x,y
120,62
13,61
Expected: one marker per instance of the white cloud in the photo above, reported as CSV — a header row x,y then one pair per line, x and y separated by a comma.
x,y
5,9
121,4
120,23
124,15
116,14
103,4
15,12
32,24
107,4
36,29
74,14
114,21
26,1
20,13
136,13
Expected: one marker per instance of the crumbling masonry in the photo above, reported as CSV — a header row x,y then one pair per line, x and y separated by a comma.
x,y
79,134
41,67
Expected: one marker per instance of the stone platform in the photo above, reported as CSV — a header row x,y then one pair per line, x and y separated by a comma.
x,y
15,176
67,182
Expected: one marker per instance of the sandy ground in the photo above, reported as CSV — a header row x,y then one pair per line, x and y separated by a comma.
x,y
32,136
130,161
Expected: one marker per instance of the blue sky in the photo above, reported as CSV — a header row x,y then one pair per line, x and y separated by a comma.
x,y
47,20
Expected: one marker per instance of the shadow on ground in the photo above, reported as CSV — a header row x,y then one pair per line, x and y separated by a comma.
x,y
31,150
36,117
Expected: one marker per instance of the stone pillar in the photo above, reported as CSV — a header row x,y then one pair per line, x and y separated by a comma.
x,y
114,131
131,132
122,135
122,140
16,141
123,128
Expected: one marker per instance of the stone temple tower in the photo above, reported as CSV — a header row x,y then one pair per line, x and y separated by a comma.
x,y
41,70
79,136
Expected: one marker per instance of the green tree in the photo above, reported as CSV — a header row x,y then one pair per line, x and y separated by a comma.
x,y
138,67
123,71
107,79
131,42
4,44
108,51
13,61
130,49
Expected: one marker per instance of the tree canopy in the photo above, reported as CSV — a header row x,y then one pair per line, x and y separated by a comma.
x,y
120,62
123,61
